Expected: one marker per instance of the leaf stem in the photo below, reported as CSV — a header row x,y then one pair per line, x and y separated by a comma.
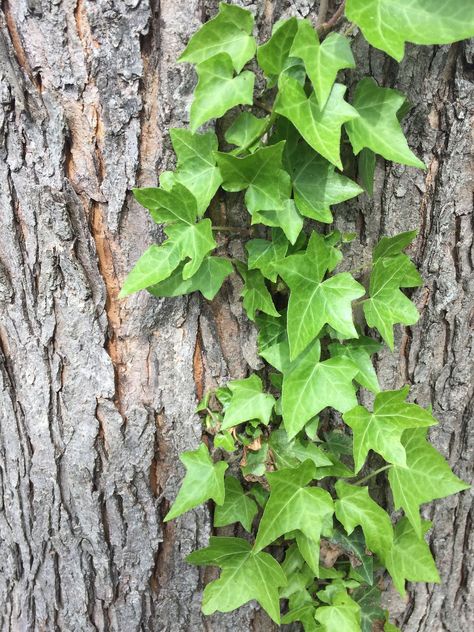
x,y
328,26
231,229
372,474
263,106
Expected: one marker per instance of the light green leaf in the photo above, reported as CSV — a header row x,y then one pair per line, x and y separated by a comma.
x,y
237,507
320,127
263,254
316,185
218,90
225,441
410,557
248,402
314,302
207,280
342,614
309,386
229,32
261,173
389,627
194,242
426,476
196,167
204,480
177,204
355,507
287,218
392,246
322,62
245,576
255,294
388,24
359,351
377,126
381,431
246,130
272,55
155,264
289,453
292,505
304,614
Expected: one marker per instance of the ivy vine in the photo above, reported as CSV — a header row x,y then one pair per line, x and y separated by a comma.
x,y
317,540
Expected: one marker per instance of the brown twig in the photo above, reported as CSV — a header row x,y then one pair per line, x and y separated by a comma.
x,y
328,26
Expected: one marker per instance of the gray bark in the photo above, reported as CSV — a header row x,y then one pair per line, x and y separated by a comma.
x,y
97,395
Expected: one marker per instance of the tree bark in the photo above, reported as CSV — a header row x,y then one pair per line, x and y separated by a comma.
x,y
98,395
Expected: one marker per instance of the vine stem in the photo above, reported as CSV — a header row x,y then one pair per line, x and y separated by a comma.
x,y
332,22
231,229
372,474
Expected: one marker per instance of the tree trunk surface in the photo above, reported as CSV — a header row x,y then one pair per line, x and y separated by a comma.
x,y
98,395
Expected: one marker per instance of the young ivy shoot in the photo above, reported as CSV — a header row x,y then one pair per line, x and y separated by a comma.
x,y
314,540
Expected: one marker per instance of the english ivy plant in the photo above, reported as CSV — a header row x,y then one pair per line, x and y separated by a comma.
x,y
314,540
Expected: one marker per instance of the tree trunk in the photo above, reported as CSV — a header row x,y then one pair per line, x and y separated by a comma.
x,y
97,394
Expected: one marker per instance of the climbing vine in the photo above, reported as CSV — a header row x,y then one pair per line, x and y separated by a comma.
x,y
285,453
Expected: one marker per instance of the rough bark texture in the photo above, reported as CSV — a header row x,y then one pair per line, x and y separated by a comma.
x,y
97,395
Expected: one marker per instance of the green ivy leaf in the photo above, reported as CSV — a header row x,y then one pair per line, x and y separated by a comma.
x,y
289,453
292,505
176,204
255,294
371,612
194,242
387,305
362,566
287,218
155,264
255,462
314,302
392,246
263,254
248,402
273,55
229,32
322,62
245,575
366,168
359,352
417,21
196,167
377,126
225,441
246,130
207,280
381,431
320,127
355,507
426,476
218,90
309,386
410,557
342,614
316,185
267,184
237,507
204,480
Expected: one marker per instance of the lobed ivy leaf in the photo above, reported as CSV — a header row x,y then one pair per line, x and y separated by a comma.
x,y
322,61
319,126
245,575
204,480
255,294
218,90
314,301
392,246
272,55
377,127
263,254
196,165
359,352
388,24
355,507
427,476
293,505
207,280
229,32
381,431
309,386
194,242
304,614
246,130
287,218
248,402
289,453
362,566
237,506
176,204
316,185
343,613
410,557
261,173
155,264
